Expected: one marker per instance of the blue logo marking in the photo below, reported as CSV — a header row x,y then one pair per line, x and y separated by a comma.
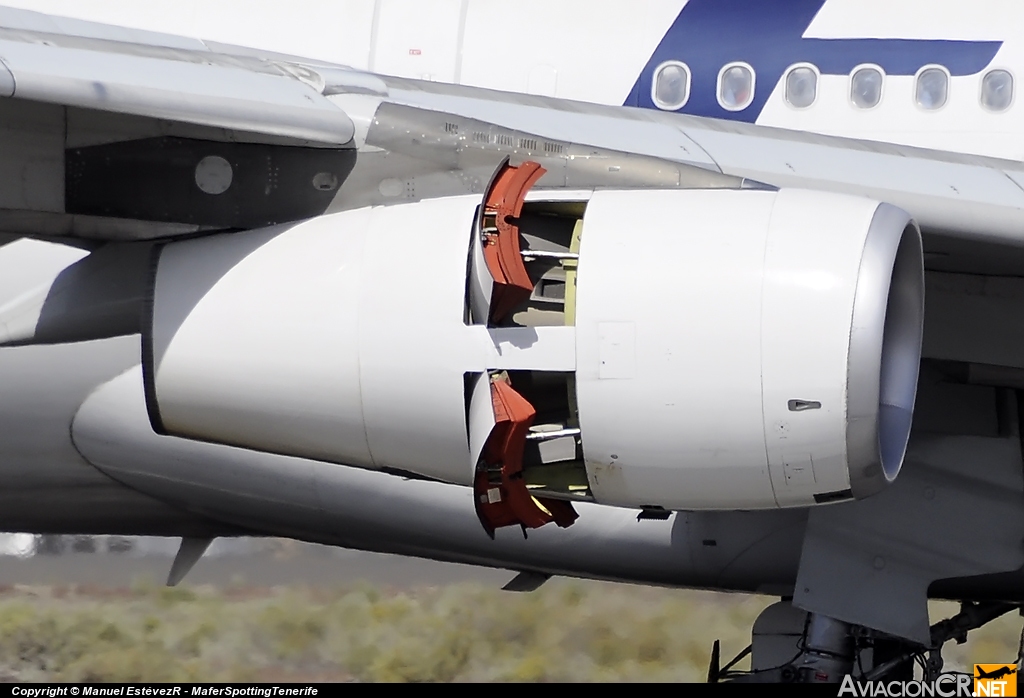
x,y
768,34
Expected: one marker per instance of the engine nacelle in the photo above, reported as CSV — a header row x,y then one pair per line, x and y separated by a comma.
x,y
676,349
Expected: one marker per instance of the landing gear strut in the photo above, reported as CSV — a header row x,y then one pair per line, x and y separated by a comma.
x,y
791,646
828,651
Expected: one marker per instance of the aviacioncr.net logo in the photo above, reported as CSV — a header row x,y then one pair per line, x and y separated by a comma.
x,y
946,686
995,680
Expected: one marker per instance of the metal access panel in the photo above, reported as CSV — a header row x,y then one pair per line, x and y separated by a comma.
x,y
416,39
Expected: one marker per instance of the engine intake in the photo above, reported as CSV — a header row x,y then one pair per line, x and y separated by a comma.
x,y
763,347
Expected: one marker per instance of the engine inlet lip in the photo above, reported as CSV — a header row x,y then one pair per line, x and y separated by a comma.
x,y
885,350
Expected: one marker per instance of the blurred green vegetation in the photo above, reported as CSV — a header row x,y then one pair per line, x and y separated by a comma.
x,y
566,631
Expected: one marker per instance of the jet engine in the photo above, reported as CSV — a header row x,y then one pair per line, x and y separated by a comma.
x,y
663,350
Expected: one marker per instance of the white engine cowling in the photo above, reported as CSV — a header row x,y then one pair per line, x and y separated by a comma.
x,y
760,347
722,349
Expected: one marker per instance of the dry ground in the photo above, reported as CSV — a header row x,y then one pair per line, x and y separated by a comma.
x,y
566,631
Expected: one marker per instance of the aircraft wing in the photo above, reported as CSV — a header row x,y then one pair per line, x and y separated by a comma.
x,y
81,64
229,97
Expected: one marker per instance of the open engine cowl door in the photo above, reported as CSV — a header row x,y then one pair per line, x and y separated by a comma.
x,y
501,249
501,495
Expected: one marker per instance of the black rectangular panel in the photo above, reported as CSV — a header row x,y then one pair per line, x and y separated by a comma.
x,y
207,183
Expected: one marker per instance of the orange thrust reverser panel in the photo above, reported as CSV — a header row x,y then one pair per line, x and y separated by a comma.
x,y
503,204
502,498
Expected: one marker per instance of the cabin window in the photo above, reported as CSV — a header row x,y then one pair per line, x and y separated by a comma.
x,y
671,87
736,86
866,87
997,90
801,86
932,88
